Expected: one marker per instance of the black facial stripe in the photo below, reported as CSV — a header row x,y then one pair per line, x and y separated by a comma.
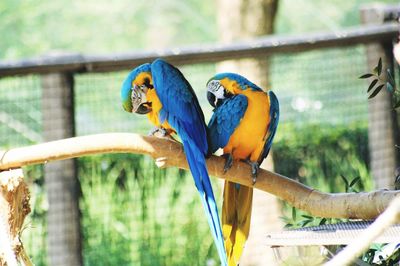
x,y
227,94
147,83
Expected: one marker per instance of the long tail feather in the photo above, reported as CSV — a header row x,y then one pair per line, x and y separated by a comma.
x,y
236,216
198,168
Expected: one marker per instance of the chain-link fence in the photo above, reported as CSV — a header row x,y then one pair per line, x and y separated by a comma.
x,y
132,212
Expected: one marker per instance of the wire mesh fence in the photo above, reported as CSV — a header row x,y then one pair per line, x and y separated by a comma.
x,y
132,212
321,87
20,111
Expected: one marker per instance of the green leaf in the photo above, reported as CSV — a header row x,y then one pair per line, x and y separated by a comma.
x,y
389,87
307,216
323,221
354,181
379,67
304,223
390,78
293,213
365,76
353,190
345,181
376,91
373,83
370,254
288,225
397,105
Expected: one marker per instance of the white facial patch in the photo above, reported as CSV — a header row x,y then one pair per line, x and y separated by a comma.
x,y
138,96
215,87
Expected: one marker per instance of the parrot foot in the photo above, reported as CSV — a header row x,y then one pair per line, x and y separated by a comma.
x,y
228,161
254,169
158,132
161,132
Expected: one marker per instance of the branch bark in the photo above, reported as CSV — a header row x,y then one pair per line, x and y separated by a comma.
x,y
14,207
389,217
168,153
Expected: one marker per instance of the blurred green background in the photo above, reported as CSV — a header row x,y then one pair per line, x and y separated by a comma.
x,y
132,212
33,27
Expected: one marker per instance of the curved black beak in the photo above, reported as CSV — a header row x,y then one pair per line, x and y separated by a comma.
x,y
211,98
215,102
144,108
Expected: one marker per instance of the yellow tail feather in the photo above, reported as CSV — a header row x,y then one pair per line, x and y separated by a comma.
x,y
236,215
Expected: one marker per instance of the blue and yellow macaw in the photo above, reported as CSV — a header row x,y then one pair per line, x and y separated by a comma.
x,y
160,91
244,123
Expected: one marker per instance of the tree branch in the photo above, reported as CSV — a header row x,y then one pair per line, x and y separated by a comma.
x,y
389,217
168,153
14,207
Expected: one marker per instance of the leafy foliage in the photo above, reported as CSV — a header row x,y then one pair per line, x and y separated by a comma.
x,y
148,216
132,213
318,155
380,81
27,25
333,159
300,219
392,259
345,169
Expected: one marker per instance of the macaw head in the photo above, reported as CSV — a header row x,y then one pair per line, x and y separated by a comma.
x,y
134,90
216,92
225,85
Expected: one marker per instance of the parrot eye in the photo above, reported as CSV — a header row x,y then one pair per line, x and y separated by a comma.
x,y
213,86
147,84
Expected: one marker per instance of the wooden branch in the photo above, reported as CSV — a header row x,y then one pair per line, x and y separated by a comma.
x,y
389,217
14,207
168,153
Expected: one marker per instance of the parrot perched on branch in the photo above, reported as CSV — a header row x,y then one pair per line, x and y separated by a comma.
x,y
244,123
160,91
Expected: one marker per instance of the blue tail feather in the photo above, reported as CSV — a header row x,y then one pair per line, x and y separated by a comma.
x,y
197,164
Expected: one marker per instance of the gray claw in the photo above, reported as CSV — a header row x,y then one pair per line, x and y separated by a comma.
x,y
152,131
254,169
228,161
158,132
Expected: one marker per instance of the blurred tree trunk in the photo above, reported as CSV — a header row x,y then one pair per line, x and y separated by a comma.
x,y
383,132
246,19
238,20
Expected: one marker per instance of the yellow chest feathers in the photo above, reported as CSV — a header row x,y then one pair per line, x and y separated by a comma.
x,y
249,137
156,106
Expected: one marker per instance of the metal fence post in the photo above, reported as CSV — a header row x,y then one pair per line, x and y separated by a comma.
x,y
382,125
63,219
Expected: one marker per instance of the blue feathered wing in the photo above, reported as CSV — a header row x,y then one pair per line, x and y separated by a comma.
x,y
182,111
273,125
225,120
